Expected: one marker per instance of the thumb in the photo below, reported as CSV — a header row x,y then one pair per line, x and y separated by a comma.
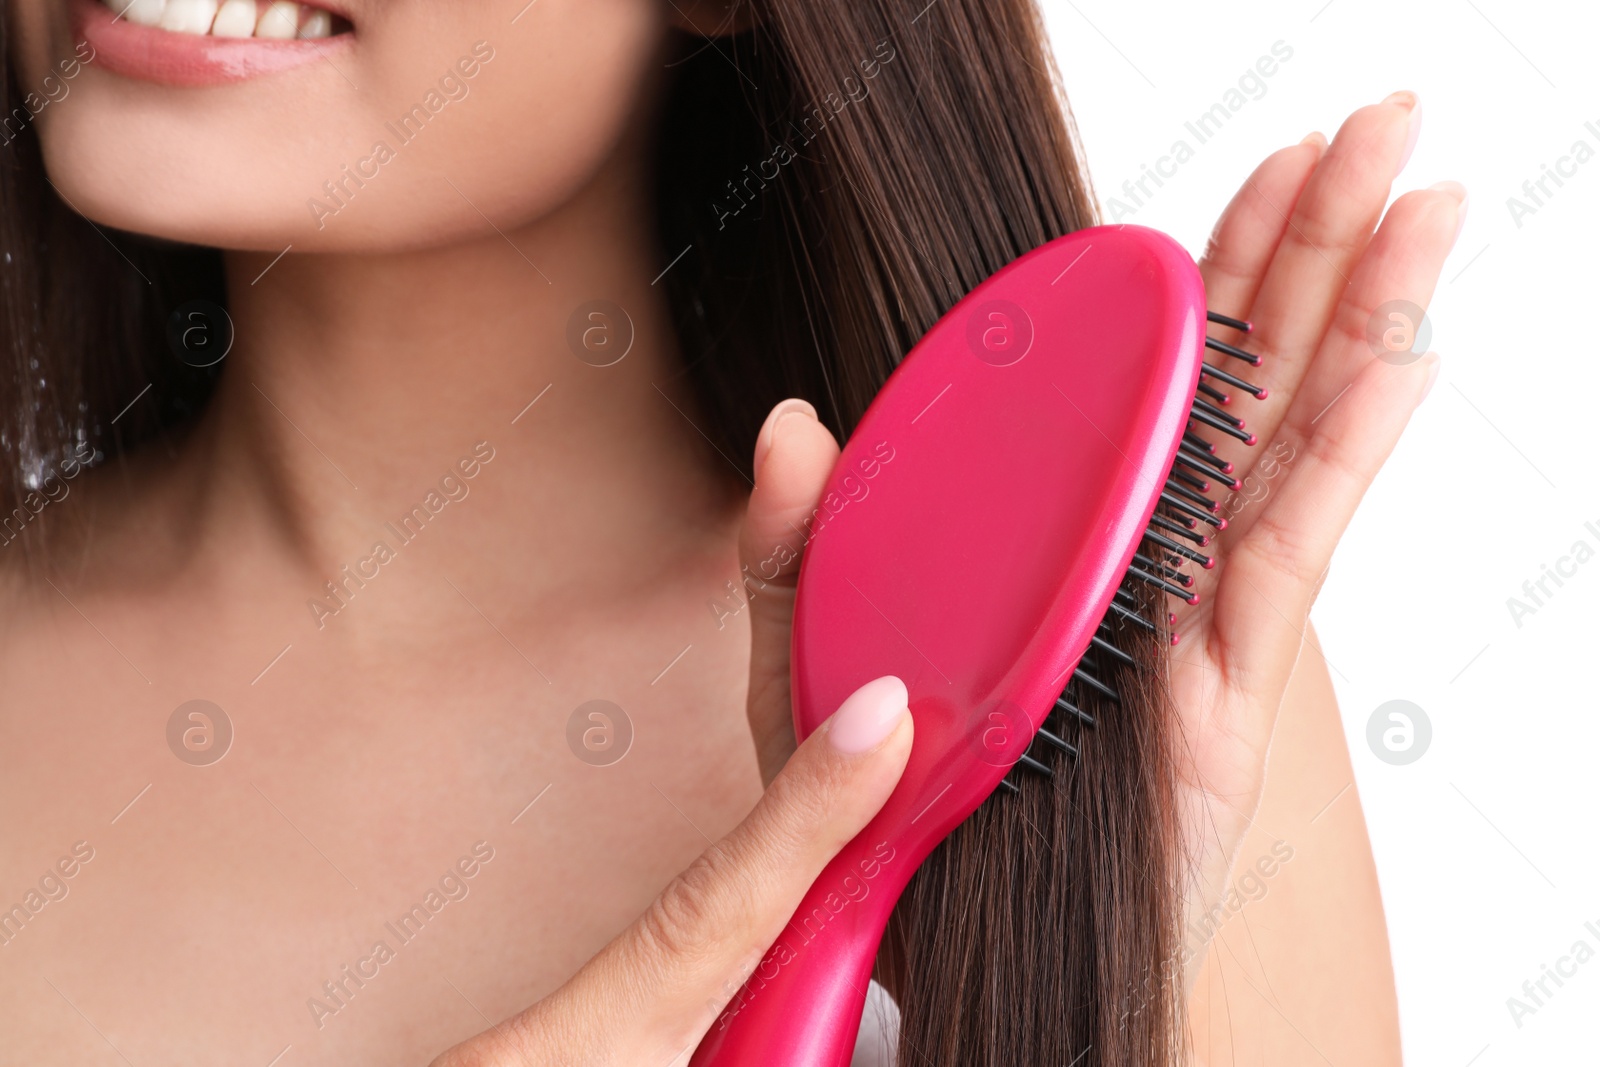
x,y
794,455
681,962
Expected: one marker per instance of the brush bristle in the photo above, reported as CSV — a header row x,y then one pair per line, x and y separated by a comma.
x,y
1156,571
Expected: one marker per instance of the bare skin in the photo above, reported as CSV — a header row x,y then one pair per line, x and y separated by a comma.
x,y
425,723
1299,971
408,726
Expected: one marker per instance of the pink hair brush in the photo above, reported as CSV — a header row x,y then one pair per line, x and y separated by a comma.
x,y
1033,461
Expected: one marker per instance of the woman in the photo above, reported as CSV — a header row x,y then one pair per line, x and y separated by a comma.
x,y
513,293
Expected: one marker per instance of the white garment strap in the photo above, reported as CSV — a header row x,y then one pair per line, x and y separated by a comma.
x,y
880,1030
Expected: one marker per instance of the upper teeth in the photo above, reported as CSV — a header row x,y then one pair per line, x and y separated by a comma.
x,y
279,19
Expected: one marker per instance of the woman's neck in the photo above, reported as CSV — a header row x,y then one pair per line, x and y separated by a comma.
x,y
357,384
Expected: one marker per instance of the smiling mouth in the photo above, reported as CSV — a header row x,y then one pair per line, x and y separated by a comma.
x,y
273,20
198,43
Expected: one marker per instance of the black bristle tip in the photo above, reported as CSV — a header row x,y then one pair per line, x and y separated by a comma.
x,y
1034,765
1166,587
1209,471
1183,550
1161,570
1185,508
1132,616
1221,466
1230,350
1111,650
1186,532
1205,418
1221,375
1096,684
1242,325
1212,409
1076,712
1205,387
1197,499
1051,739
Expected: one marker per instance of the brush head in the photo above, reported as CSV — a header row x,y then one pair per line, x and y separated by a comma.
x,y
1019,468
987,507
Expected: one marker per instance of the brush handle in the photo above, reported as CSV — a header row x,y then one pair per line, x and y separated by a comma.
x,y
801,1006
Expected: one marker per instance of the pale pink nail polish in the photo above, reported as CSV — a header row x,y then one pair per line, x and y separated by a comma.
x,y
1459,191
1412,103
868,716
1433,376
769,429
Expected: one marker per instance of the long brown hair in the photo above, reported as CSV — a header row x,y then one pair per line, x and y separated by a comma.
x,y
85,368
844,170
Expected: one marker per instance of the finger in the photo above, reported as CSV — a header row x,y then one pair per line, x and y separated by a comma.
x,y
1401,263
1327,230
680,963
1252,226
1272,575
794,455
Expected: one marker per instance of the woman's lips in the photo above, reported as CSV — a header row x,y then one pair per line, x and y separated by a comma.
x,y
187,55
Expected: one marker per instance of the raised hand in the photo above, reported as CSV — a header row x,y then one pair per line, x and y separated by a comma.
x,y
1302,254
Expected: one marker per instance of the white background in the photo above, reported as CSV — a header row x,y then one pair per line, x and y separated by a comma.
x,y
1486,846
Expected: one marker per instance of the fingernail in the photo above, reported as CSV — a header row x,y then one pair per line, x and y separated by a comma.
x,y
1433,376
1459,191
868,716
1317,138
1408,100
769,429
